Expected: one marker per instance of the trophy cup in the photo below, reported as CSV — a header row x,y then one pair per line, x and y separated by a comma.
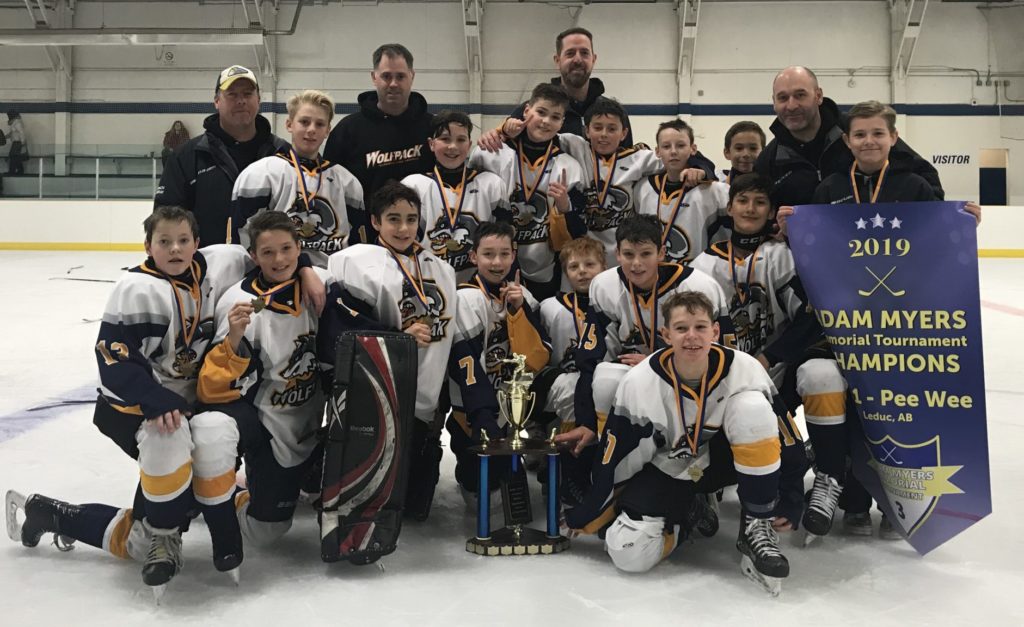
x,y
516,401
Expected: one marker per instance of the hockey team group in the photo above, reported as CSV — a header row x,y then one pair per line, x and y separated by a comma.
x,y
655,301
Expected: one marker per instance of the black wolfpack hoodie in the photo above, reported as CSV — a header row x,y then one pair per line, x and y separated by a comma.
x,y
376,147
797,168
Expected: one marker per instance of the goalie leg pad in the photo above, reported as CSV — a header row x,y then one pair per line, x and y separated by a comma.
x,y
370,416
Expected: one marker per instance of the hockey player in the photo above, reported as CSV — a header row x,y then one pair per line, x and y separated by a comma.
x,y
743,142
323,199
545,189
456,199
658,452
622,320
261,385
689,214
156,327
400,286
496,317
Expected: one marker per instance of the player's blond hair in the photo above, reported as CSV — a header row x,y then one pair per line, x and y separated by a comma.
x,y
311,97
582,247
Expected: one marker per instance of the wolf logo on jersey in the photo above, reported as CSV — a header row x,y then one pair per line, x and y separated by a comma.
x,y
300,374
498,348
530,217
634,342
753,321
617,207
677,245
316,224
453,245
413,311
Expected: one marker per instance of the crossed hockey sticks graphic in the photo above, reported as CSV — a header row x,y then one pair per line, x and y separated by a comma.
x,y
889,455
881,283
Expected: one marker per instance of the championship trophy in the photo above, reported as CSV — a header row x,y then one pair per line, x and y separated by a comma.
x,y
516,401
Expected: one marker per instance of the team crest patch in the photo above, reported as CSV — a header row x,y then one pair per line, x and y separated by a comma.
x,y
530,217
299,374
316,224
913,478
677,244
453,245
611,213
412,310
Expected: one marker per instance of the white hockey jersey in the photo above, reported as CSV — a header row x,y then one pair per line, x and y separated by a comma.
x,y
563,317
156,329
609,184
689,218
372,282
485,334
449,216
323,199
646,427
541,230
275,369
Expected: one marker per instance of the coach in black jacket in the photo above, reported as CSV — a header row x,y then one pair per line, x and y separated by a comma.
x,y
201,174
808,145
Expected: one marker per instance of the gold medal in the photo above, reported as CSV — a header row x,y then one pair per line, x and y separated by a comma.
x,y
695,472
258,305
308,229
189,369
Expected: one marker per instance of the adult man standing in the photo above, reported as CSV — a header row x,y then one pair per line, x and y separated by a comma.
x,y
808,142
385,139
201,174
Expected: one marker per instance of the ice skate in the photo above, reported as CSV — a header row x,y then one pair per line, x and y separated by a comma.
x,y
163,561
703,515
762,561
821,508
230,564
857,523
41,515
227,549
886,531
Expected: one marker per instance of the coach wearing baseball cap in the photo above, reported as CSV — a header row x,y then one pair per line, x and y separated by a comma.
x,y
200,174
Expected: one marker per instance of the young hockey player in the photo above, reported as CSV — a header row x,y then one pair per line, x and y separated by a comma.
x,y
658,448
545,189
622,320
400,286
261,385
496,317
689,214
456,199
743,142
323,199
155,329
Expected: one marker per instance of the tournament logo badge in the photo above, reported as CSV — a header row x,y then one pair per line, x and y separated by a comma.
x,y
913,477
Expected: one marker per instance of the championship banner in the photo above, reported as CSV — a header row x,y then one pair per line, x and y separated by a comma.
x,y
895,287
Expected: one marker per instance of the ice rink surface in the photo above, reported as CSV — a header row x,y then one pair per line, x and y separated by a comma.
x,y
49,333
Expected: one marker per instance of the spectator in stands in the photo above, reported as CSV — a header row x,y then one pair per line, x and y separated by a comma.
x,y
201,174
173,139
19,144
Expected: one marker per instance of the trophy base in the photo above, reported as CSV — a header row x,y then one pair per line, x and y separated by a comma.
x,y
528,541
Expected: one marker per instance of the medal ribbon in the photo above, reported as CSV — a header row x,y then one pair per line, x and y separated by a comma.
x,y
197,298
453,216
701,398
267,296
603,189
528,192
649,337
307,196
878,185
577,315
742,289
673,213
487,295
415,280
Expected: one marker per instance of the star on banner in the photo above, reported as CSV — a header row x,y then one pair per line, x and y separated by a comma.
x,y
861,224
877,222
895,223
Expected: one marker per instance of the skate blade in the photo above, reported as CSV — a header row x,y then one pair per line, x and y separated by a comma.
x,y
235,574
13,502
771,585
810,538
158,592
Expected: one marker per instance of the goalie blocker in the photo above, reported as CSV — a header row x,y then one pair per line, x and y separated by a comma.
x,y
366,453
